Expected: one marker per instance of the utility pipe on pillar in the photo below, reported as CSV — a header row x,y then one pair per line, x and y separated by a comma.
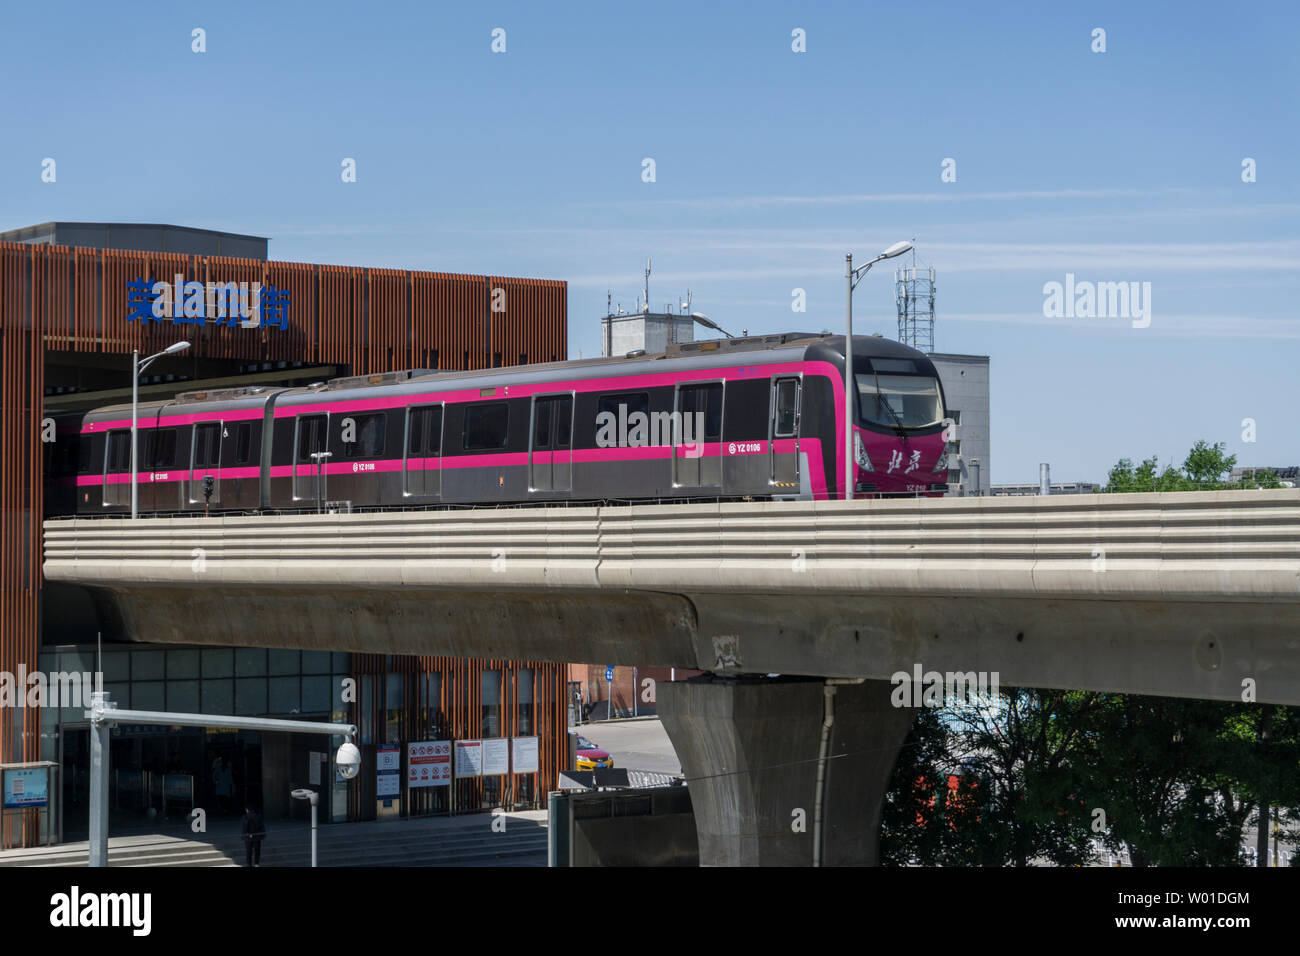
x,y
828,721
1044,479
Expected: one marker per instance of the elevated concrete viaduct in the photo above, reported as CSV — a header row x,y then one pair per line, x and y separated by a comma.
x,y
1186,594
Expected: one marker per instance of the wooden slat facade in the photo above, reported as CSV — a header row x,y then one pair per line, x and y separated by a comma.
x,y
367,320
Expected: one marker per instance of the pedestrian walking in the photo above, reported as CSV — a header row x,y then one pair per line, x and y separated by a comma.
x,y
254,834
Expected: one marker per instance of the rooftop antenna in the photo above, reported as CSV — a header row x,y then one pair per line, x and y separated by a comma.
x,y
914,291
647,284
609,302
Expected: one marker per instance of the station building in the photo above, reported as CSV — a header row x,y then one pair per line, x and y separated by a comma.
x,y
68,325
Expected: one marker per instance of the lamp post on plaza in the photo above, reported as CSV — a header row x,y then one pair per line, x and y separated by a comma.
x,y
303,793
137,367
851,278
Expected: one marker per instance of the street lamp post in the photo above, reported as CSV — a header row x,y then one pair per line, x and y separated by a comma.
x,y
305,794
137,367
851,279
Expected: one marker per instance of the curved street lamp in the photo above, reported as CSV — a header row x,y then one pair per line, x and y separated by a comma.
x,y
138,366
852,277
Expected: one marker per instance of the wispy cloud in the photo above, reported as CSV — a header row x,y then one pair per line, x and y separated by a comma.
x,y
1180,325
944,196
792,257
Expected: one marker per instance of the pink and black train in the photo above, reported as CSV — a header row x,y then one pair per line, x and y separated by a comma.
x,y
753,418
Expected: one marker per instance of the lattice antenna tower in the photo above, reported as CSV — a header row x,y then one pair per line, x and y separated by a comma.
x,y
914,295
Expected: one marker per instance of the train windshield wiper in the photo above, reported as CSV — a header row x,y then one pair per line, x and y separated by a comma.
x,y
880,400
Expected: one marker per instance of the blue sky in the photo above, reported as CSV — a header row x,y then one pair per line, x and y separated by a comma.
x,y
770,166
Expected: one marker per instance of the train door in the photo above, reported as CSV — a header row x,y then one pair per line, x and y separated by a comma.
x,y
117,468
783,447
550,455
159,461
422,475
309,473
700,407
205,460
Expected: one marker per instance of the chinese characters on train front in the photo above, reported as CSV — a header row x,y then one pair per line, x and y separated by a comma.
x,y
250,304
896,461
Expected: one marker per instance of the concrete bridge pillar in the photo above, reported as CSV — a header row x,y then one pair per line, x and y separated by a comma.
x,y
751,749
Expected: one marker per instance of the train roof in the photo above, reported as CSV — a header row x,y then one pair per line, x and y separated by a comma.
x,y
681,356
216,399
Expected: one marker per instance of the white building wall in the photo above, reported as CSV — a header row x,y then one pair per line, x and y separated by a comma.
x,y
965,380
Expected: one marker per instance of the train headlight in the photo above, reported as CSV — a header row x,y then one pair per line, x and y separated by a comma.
x,y
860,453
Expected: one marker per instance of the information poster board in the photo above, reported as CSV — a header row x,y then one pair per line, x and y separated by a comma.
x,y
523,756
428,763
26,787
388,770
496,756
388,758
469,758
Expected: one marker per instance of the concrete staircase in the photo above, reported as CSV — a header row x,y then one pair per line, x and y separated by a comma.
x,y
460,841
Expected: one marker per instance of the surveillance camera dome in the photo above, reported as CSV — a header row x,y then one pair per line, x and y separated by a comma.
x,y
348,760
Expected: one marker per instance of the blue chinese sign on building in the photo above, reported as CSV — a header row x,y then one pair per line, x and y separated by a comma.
x,y
249,305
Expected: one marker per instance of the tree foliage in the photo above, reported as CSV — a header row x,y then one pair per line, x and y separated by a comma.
x,y
1206,468
1051,774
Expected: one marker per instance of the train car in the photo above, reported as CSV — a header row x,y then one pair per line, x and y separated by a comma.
x,y
756,417
219,434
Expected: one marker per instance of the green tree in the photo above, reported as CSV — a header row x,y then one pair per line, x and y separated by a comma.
x,y
1125,478
913,817
1153,762
977,786
1206,464
1033,805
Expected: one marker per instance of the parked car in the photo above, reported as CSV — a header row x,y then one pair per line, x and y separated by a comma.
x,y
591,757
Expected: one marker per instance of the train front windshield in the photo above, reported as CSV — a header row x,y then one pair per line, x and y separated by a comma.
x,y
909,401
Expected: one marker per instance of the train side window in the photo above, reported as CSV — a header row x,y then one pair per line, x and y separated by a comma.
x,y
368,436
706,399
485,426
162,449
417,430
635,402
435,432
83,455
786,408
117,456
564,426
311,436
207,445
542,423
424,431
243,442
